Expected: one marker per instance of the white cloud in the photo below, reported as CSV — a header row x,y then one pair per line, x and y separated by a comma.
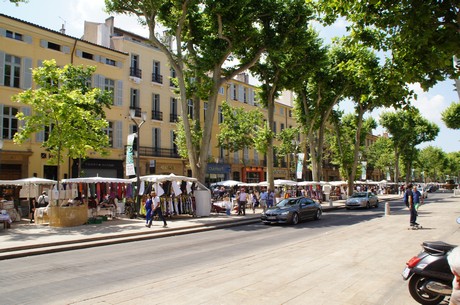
x,y
430,105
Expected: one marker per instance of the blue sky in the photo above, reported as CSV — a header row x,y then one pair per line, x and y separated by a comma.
x,y
53,14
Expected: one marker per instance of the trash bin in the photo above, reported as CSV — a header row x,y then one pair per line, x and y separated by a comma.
x,y
203,202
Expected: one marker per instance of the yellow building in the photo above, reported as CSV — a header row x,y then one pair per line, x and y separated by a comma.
x,y
139,77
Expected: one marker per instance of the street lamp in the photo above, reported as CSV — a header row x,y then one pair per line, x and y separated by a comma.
x,y
132,116
295,145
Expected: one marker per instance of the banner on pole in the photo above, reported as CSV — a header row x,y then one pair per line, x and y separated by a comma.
x,y
129,155
299,169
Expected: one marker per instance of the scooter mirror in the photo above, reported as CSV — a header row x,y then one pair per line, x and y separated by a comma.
x,y
458,220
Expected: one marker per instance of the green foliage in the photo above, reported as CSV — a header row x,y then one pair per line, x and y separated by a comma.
x,y
239,127
381,154
287,142
432,161
180,135
262,138
420,36
71,111
451,116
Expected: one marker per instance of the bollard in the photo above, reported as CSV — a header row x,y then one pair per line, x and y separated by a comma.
x,y
387,208
330,202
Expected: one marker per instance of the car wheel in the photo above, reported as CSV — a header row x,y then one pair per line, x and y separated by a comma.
x,y
376,204
318,214
295,219
368,205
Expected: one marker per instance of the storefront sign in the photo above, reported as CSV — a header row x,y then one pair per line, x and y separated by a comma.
x,y
218,168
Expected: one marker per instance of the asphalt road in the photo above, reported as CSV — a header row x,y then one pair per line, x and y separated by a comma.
x,y
347,257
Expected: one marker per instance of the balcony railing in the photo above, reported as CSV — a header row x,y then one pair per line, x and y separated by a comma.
x,y
135,72
157,115
173,117
158,152
137,111
157,78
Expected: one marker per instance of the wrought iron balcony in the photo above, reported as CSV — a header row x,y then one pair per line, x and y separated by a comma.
x,y
157,78
173,117
157,115
158,152
135,72
137,111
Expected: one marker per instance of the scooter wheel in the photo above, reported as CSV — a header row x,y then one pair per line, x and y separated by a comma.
x,y
415,288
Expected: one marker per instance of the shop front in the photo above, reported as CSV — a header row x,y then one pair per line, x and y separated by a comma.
x,y
98,167
253,174
217,172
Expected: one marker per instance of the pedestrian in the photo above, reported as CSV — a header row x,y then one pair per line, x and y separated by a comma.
x,y
148,210
254,201
43,200
454,262
242,200
263,199
157,210
409,201
33,205
417,197
271,198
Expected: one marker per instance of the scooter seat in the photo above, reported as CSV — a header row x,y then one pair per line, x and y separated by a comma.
x,y
437,247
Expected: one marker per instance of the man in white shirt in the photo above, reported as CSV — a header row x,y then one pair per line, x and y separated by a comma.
x,y
43,200
156,209
242,200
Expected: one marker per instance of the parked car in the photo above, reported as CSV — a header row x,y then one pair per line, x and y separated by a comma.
x,y
362,200
292,210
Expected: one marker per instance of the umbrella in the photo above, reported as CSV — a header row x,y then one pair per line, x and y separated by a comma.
x,y
28,181
281,182
228,183
96,180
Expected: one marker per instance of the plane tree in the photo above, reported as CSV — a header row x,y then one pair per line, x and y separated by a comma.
x,y
419,37
451,116
64,105
407,129
207,42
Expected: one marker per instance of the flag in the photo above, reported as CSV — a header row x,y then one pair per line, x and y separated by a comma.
x,y
129,156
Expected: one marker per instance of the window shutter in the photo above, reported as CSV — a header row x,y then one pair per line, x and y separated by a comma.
x,y
2,32
240,93
40,136
119,94
119,64
26,77
65,49
1,121
27,111
78,53
43,43
2,69
118,135
28,39
97,58
101,59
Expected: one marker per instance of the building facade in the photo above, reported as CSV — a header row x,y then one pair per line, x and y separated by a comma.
x,y
139,77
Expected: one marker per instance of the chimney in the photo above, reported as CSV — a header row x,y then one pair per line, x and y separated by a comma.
x,y
62,30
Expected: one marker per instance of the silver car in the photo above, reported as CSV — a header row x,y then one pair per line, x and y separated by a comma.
x,y
362,200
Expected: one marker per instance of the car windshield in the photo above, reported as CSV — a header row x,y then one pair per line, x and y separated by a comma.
x,y
359,195
287,203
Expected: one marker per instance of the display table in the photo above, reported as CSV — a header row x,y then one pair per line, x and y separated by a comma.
x,y
6,220
41,216
68,216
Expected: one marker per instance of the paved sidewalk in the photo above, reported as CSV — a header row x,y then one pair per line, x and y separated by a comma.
x,y
24,239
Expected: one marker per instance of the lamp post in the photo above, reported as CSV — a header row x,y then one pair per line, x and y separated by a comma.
x,y
295,145
132,116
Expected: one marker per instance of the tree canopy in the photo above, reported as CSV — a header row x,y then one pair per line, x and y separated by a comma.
x,y
72,113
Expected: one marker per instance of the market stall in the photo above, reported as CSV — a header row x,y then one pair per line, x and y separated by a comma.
x,y
89,197
179,194
30,188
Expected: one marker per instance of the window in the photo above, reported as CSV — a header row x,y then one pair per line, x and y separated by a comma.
x,y
156,143
87,55
173,110
111,62
172,75
281,126
48,130
134,99
109,85
14,35
234,92
281,110
190,108
12,74
156,113
109,132
221,90
10,122
54,46
220,115
245,94
274,127
156,75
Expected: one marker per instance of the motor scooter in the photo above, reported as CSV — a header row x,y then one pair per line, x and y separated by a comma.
x,y
429,274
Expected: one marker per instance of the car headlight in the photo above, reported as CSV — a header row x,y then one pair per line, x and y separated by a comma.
x,y
285,213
